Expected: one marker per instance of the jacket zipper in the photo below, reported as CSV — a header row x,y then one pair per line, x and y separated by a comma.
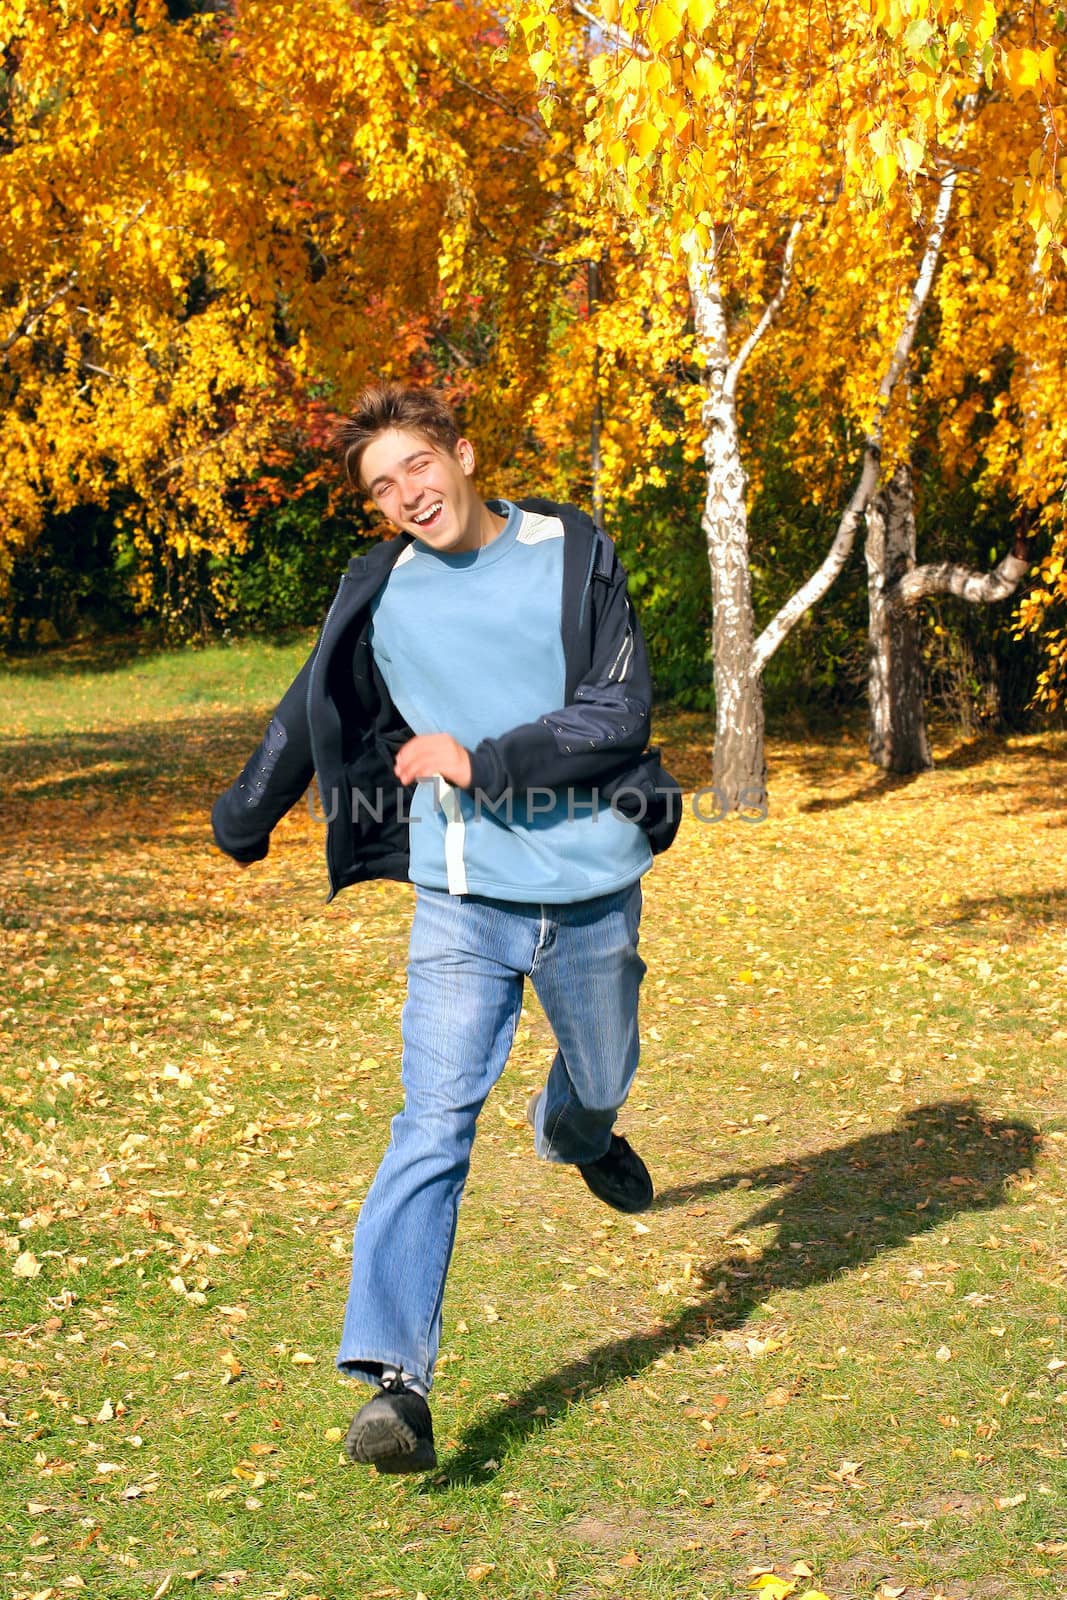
x,y
319,656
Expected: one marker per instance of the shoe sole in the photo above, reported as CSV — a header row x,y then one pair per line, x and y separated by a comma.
x,y
390,1445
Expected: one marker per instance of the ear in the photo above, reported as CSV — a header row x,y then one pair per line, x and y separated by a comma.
x,y
465,456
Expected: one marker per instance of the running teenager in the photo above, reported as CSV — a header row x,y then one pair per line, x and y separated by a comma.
x,y
476,716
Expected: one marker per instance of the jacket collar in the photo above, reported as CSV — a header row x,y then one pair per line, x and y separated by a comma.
x,y
380,558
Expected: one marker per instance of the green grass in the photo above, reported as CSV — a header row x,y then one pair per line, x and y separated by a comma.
x,y
851,1098
80,689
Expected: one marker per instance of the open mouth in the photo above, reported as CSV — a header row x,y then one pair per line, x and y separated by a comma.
x,y
430,517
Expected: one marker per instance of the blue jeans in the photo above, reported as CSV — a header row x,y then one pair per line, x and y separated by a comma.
x,y
467,962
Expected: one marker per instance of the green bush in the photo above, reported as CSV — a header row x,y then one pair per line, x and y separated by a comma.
x,y
69,582
290,570
660,543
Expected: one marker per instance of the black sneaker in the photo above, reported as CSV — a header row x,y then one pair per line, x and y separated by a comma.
x,y
620,1178
393,1432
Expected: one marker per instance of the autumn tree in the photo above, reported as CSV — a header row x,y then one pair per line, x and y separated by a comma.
x,y
726,139
217,220
979,400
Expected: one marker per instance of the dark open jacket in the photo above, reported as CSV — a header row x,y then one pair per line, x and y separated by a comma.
x,y
338,723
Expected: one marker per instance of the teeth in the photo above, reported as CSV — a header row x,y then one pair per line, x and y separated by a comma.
x,y
425,516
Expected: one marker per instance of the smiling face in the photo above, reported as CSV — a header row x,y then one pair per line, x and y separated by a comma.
x,y
427,490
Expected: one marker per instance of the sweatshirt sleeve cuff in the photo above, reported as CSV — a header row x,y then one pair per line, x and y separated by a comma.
x,y
485,771
247,850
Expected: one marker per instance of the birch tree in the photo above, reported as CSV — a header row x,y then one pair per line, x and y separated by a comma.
x,y
726,139
896,584
982,404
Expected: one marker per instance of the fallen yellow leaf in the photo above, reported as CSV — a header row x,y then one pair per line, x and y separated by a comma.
x,y
772,1587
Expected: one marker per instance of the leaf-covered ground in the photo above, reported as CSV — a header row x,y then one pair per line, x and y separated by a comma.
x,y
835,1350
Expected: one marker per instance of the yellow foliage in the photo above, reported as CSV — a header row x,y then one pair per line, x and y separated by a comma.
x,y
645,136
664,24
209,228
843,120
866,90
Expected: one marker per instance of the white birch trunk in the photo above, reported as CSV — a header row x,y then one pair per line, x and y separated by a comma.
x,y
739,770
897,738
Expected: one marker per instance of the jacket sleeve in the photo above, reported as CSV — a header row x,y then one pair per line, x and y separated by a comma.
x,y
272,781
602,729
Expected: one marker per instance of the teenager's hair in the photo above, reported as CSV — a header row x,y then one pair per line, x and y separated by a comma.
x,y
391,405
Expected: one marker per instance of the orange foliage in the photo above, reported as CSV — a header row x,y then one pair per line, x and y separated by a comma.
x,y
215,230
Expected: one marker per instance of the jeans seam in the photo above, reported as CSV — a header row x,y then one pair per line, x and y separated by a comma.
x,y
543,941
434,1319
439,1298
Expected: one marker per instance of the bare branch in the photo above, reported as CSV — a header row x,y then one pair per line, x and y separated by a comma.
x,y
177,463
945,577
824,575
534,123
30,319
453,350
137,215
770,311
919,294
619,34
841,548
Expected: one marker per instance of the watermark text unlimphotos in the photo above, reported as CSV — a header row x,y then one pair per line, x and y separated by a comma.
x,y
527,806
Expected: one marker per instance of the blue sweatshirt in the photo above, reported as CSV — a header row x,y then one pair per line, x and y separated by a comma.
x,y
470,645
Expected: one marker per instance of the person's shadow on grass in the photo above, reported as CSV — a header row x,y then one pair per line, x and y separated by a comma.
x,y
836,1210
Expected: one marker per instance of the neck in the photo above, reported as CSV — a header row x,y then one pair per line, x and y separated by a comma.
x,y
492,524
488,525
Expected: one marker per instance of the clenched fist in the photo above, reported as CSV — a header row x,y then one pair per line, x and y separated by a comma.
x,y
434,754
